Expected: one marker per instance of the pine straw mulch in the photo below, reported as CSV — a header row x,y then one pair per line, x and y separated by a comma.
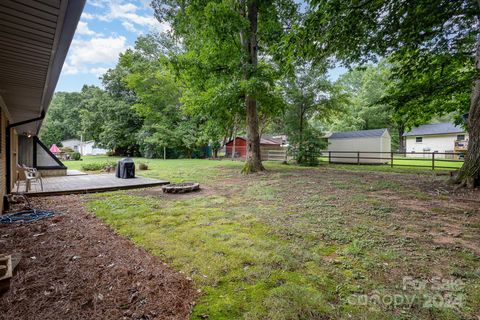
x,y
75,267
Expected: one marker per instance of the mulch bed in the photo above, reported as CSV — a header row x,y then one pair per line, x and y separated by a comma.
x,y
75,267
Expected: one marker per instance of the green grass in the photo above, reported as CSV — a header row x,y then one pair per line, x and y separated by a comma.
x,y
172,170
296,242
176,170
409,164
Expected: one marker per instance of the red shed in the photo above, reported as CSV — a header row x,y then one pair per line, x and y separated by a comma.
x,y
241,146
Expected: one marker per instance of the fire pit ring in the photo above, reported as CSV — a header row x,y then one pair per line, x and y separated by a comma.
x,y
181,187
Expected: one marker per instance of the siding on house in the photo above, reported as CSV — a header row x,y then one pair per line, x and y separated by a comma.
x,y
432,143
3,158
13,157
34,49
85,148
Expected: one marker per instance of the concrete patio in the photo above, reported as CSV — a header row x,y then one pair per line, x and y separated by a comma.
x,y
88,183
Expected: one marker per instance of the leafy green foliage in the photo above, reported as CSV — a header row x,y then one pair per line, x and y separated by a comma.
x,y
431,45
367,106
95,115
366,87
229,57
97,166
76,156
309,95
61,122
308,152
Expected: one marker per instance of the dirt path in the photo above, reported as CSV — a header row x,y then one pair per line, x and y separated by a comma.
x,y
74,267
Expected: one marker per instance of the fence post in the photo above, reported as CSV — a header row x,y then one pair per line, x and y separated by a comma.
x,y
391,159
329,156
358,157
433,160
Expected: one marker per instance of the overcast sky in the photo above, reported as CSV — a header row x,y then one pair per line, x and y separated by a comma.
x,y
106,29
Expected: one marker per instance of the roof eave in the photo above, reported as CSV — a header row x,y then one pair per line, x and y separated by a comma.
x,y
63,39
431,134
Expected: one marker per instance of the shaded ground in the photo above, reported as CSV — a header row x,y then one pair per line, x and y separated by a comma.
x,y
299,243
74,267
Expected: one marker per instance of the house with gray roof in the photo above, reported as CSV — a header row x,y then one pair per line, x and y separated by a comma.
x,y
373,146
436,137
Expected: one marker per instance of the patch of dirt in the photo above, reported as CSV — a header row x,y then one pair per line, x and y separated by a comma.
x,y
74,267
331,258
430,208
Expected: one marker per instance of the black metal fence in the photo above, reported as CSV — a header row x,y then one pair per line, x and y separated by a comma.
x,y
433,160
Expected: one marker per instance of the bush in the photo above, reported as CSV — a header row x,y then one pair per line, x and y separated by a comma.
x,y
76,156
67,150
308,151
142,166
98,166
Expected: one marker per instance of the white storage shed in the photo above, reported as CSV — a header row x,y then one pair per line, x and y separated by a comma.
x,y
356,146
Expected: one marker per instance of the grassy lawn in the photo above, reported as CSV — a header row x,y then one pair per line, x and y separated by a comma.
x,y
417,164
305,243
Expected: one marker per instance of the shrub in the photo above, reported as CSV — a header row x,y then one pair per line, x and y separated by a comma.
x,y
97,166
142,166
76,156
307,151
67,150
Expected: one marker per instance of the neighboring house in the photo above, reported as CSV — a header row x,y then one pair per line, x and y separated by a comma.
x,y
374,144
35,37
85,148
238,146
437,137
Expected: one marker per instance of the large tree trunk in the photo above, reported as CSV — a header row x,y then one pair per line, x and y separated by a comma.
x,y
469,174
401,139
249,40
254,161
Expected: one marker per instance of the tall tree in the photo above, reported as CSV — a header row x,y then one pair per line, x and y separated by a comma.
x,y
248,39
368,106
230,44
110,122
62,121
426,39
309,95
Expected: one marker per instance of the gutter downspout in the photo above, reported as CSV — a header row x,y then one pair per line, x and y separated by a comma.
x,y
8,177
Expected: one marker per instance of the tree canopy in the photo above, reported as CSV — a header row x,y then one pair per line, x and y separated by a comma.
x,y
252,67
229,63
431,44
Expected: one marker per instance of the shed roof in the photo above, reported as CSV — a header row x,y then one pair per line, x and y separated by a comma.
x,y
373,133
435,128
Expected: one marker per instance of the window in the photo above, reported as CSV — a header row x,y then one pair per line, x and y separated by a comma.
x,y
460,137
419,139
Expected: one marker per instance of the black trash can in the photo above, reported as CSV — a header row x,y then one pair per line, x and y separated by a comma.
x,y
125,169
